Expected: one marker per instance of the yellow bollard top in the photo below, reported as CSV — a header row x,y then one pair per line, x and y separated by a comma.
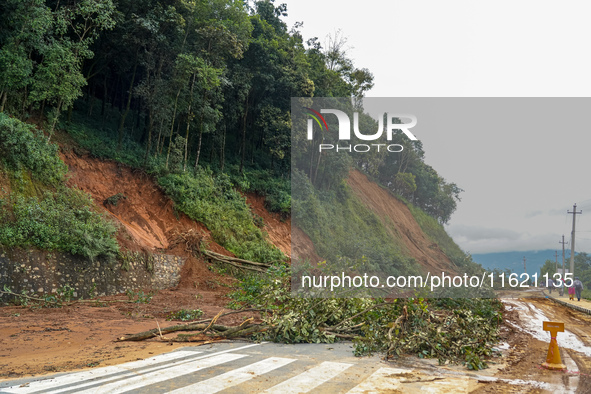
x,y
553,326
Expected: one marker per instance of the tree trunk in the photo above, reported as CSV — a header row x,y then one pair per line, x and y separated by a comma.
x,y
42,109
189,119
158,148
149,144
200,131
244,136
54,122
199,145
176,100
124,115
223,149
317,166
4,95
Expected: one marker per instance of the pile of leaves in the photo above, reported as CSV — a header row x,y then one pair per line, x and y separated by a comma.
x,y
450,330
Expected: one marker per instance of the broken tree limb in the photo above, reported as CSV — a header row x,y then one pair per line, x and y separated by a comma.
x,y
212,322
232,313
221,257
242,266
179,327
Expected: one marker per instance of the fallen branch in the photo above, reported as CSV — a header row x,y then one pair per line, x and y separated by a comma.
x,y
59,303
179,327
232,313
359,314
212,322
226,259
242,266
30,297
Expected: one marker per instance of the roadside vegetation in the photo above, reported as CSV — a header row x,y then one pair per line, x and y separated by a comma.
x,y
37,208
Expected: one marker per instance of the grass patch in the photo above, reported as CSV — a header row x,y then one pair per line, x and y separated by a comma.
x,y
436,233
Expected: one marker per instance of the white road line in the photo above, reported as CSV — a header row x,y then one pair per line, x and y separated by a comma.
x,y
234,377
309,380
99,373
146,379
381,381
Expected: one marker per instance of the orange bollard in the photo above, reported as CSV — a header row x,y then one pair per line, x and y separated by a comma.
x,y
553,360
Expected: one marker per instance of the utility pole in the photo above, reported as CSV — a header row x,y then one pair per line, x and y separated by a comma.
x,y
524,269
563,267
572,241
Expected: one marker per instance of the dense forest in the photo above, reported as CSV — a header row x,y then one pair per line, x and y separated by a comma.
x,y
190,84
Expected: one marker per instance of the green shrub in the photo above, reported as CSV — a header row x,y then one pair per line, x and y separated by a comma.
x,y
276,190
62,220
23,147
185,315
213,201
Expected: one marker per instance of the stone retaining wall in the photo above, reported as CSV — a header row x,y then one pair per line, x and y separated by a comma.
x,y
45,272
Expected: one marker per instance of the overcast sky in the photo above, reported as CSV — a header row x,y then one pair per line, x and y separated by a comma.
x,y
517,192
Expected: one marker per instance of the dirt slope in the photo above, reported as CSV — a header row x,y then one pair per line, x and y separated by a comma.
x,y
400,223
277,227
145,212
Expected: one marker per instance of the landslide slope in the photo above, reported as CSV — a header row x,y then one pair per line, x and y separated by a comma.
x,y
151,222
400,224
364,220
141,208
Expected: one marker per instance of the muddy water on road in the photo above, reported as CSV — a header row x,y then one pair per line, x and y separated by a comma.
x,y
526,316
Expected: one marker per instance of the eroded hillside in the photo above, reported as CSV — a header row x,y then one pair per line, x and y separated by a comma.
x,y
400,223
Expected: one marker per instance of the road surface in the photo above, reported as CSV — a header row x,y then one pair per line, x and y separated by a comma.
x,y
322,368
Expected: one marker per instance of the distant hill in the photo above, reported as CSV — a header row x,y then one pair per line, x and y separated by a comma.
x,y
514,260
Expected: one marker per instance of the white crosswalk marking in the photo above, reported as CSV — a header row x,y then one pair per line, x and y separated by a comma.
x,y
235,377
250,371
164,374
79,380
383,380
309,380
100,373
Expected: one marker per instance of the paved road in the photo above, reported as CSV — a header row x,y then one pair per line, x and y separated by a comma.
x,y
246,368
279,368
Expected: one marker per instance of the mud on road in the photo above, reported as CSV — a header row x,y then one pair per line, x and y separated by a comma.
x,y
529,347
